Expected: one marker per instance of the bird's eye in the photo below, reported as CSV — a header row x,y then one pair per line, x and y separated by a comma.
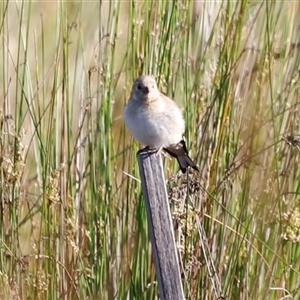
x,y
139,87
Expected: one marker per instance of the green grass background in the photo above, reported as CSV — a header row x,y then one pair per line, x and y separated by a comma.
x,y
73,221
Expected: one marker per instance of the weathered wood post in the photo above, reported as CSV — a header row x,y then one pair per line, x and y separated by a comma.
x,y
160,226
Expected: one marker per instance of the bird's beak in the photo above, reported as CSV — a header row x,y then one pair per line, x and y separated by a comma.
x,y
145,90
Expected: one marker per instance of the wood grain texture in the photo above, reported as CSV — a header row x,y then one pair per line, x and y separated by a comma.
x,y
160,226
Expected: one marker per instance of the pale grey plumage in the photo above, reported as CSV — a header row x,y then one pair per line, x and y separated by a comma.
x,y
156,121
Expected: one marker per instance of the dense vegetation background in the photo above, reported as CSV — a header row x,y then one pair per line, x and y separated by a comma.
x,y
73,222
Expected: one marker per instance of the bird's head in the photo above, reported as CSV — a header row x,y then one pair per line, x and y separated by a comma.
x,y
145,89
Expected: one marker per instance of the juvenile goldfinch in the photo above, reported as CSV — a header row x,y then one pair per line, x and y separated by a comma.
x,y
156,121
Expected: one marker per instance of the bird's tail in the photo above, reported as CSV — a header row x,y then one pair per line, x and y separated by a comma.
x,y
179,151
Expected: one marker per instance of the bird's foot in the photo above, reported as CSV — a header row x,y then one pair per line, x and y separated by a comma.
x,y
146,149
158,151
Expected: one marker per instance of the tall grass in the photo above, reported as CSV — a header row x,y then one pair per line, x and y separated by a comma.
x,y
73,221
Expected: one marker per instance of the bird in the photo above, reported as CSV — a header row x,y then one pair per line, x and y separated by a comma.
x,y
156,121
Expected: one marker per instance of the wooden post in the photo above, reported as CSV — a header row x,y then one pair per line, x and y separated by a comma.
x,y
160,226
